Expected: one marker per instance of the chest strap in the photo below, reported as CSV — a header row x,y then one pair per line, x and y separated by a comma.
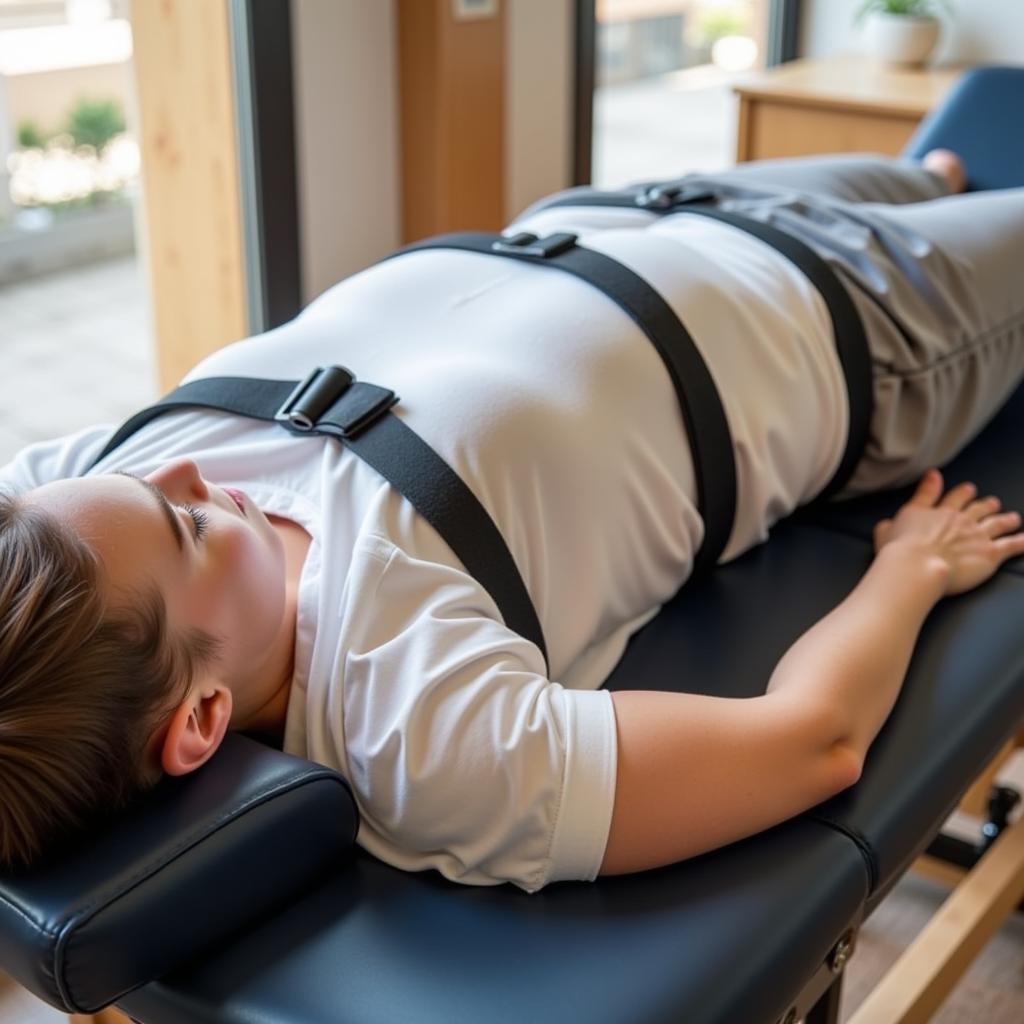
x,y
847,329
331,402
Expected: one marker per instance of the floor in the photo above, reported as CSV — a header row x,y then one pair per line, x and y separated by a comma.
x,y
75,349
663,127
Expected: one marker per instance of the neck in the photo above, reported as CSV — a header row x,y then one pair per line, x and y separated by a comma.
x,y
275,681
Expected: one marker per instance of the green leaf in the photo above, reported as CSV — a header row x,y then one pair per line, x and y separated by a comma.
x,y
95,122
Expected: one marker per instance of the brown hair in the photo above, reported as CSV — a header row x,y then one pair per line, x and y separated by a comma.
x,y
82,686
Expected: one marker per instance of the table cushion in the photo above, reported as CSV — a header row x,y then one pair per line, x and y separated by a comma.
x,y
963,697
727,937
993,462
194,862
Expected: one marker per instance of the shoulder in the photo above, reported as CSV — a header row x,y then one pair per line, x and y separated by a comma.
x,y
56,459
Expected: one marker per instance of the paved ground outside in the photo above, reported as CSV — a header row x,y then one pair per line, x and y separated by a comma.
x,y
664,126
75,349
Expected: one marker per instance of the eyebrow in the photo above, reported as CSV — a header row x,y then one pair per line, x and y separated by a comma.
x,y
165,506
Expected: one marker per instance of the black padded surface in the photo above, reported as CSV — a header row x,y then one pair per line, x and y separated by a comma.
x,y
964,693
722,636
725,938
963,698
731,936
993,461
196,861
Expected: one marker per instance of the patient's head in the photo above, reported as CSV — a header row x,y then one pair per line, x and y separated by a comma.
x,y
138,621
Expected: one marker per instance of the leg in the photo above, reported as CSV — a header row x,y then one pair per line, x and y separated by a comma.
x,y
936,284
852,178
944,311
856,178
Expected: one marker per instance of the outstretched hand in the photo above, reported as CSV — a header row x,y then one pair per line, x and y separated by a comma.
x,y
969,534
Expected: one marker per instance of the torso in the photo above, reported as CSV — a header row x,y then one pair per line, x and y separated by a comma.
x,y
555,410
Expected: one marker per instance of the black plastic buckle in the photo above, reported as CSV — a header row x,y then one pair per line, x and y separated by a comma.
x,y
667,197
525,244
313,397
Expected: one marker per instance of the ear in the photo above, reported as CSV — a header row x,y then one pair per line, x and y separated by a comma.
x,y
196,729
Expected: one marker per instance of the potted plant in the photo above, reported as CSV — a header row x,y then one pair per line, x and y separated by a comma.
x,y
902,31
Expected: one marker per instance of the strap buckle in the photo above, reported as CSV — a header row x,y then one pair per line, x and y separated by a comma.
x,y
353,404
313,396
525,244
667,197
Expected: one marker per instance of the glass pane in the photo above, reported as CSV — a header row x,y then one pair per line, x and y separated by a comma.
x,y
662,100
74,314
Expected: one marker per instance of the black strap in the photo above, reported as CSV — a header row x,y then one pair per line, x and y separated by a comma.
x,y
848,330
330,401
707,429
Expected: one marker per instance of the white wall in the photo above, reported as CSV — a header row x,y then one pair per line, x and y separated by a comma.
x,y
346,113
977,30
345,64
538,100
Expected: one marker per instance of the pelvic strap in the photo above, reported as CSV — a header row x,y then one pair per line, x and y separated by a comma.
x,y
847,329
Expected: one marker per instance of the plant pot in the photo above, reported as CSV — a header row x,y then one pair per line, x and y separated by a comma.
x,y
900,38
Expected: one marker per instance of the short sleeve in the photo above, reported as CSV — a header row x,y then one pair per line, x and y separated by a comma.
x,y
463,755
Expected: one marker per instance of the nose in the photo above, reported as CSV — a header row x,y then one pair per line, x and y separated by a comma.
x,y
180,480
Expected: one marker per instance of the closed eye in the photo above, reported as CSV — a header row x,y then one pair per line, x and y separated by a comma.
x,y
200,520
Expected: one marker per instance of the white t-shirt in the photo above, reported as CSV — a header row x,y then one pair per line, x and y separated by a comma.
x,y
465,755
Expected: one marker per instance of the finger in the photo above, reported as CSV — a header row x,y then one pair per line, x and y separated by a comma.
x,y
1009,547
928,490
1006,522
982,507
959,497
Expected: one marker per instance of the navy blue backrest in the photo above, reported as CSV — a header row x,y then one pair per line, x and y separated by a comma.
x,y
982,119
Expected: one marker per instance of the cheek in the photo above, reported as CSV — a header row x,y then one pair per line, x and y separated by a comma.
x,y
255,564
249,584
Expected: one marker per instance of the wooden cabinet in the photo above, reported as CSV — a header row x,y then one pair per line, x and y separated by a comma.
x,y
839,105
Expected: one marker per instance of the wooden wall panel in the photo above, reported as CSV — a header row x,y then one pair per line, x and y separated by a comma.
x,y
452,102
191,208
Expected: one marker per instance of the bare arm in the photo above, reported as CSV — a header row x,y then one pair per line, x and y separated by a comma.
x,y
698,772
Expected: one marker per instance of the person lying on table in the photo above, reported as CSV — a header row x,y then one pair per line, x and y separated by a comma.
x,y
215,572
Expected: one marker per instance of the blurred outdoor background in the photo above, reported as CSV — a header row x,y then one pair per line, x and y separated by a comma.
x,y
73,312
74,316
662,103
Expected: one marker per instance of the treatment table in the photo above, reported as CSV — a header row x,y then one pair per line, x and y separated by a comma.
x,y
236,896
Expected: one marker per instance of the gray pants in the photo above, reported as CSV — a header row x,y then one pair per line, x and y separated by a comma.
x,y
938,280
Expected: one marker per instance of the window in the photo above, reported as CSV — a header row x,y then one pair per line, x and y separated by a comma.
x,y
659,82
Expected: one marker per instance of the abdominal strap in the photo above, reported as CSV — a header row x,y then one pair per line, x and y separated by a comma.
x,y
332,402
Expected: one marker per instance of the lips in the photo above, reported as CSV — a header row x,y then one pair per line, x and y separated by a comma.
x,y
237,497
